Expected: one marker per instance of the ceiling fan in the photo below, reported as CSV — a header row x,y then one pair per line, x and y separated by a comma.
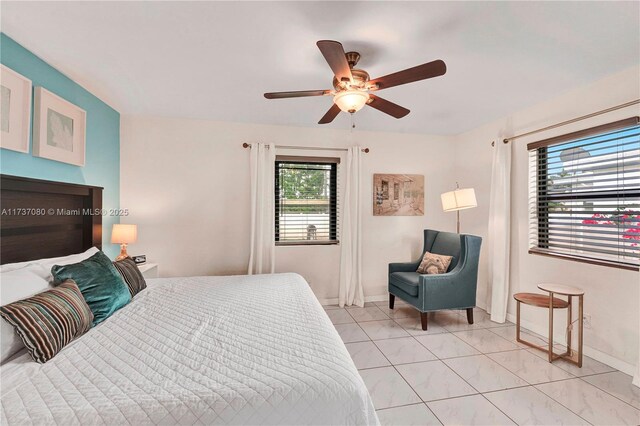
x,y
352,86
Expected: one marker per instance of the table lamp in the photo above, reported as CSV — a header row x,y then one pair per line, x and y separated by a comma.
x,y
123,234
460,199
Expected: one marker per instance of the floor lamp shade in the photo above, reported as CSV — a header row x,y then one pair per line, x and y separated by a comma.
x,y
460,199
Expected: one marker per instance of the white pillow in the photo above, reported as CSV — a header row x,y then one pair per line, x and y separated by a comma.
x,y
17,285
48,263
21,280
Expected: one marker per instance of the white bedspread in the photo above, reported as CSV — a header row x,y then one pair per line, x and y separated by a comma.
x,y
203,350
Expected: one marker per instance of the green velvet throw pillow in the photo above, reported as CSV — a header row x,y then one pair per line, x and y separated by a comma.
x,y
100,283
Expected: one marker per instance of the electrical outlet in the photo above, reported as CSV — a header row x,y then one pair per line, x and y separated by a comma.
x,y
587,320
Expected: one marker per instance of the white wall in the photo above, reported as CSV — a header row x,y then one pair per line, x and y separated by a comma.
x,y
186,184
611,294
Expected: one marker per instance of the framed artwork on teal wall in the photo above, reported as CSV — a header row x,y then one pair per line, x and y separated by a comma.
x,y
58,129
102,149
15,110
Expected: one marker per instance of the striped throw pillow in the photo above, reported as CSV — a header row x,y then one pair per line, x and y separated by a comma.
x,y
50,320
131,275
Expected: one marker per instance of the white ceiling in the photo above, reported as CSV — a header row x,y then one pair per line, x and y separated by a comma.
x,y
213,60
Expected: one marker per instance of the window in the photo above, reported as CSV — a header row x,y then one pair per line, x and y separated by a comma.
x,y
385,190
585,195
306,200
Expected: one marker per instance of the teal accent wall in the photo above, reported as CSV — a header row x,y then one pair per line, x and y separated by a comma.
x,y
102,161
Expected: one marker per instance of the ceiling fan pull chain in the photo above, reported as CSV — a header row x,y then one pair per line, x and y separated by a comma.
x,y
353,124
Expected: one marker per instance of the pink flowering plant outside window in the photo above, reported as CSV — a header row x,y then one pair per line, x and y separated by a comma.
x,y
627,221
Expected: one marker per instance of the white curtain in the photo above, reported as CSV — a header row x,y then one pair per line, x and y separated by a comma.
x,y
351,292
498,241
636,378
262,257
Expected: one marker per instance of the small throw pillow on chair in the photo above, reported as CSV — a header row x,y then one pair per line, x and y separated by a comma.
x,y
434,263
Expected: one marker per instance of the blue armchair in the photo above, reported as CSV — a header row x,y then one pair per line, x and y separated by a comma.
x,y
455,289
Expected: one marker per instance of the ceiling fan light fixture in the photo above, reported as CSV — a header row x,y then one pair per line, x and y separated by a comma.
x,y
351,100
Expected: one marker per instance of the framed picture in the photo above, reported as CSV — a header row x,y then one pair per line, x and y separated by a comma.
x,y
398,195
59,130
15,110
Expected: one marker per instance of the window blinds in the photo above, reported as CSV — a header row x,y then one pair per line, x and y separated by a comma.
x,y
306,202
585,195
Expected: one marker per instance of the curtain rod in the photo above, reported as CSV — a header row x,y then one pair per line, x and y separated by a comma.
x,y
309,148
573,120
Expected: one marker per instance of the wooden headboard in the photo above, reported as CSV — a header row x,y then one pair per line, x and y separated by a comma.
x,y
43,219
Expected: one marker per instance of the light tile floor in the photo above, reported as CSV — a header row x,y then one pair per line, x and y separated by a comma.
x,y
461,374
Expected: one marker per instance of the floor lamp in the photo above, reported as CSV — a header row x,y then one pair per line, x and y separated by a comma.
x,y
460,199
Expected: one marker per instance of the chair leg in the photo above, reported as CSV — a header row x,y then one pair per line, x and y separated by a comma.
x,y
423,319
470,315
392,299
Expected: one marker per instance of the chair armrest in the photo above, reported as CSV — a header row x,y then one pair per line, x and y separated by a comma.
x,y
404,267
442,291
430,281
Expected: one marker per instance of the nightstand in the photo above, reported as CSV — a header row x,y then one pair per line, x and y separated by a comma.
x,y
149,270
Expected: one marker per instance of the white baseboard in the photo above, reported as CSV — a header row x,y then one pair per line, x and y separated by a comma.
x,y
589,351
334,301
536,328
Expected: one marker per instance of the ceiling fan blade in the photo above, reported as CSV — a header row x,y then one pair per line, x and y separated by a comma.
x,y
334,54
421,72
330,115
387,107
298,94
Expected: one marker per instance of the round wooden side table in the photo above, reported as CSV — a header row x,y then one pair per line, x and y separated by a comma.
x,y
541,301
570,292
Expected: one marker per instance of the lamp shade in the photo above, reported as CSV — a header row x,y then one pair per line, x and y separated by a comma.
x,y
460,199
124,234
351,100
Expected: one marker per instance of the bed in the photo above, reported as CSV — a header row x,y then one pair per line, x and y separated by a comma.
x,y
255,350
